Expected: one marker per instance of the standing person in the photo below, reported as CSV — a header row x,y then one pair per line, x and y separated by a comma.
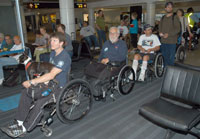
x,y
169,28
100,26
2,41
123,30
185,28
87,32
68,44
134,29
13,59
28,115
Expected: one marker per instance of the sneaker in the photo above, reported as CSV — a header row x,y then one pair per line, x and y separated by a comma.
x,y
14,124
141,77
97,48
131,77
14,132
91,48
1,81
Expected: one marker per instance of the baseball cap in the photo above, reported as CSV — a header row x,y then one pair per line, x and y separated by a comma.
x,y
146,26
169,3
1,35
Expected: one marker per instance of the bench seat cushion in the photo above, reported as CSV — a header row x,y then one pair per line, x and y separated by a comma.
x,y
170,115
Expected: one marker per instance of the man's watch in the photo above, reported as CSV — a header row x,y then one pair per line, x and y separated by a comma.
x,y
30,82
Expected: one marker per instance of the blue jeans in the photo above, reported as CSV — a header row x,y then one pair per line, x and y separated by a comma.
x,y
5,61
168,52
101,35
90,39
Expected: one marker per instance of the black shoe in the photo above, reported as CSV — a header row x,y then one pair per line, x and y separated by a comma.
x,y
14,132
98,98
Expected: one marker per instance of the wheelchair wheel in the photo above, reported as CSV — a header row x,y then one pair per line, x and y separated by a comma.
x,y
159,65
180,54
124,83
74,101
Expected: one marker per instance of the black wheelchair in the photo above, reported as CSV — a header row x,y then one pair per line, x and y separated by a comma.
x,y
180,55
72,104
155,67
109,79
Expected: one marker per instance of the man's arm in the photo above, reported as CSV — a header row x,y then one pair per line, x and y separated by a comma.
x,y
46,77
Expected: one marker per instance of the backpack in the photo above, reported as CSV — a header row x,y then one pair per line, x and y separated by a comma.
x,y
173,23
13,79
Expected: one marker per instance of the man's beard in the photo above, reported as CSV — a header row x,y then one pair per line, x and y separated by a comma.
x,y
113,40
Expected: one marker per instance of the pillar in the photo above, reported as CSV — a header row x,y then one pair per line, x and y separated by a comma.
x,y
91,17
67,16
150,13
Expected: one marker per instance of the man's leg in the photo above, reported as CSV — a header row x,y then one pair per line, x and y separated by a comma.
x,y
94,39
164,53
3,62
88,41
143,68
172,52
135,65
100,37
103,35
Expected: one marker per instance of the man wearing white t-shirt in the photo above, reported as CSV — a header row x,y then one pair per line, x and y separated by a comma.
x,y
123,30
87,32
148,43
12,59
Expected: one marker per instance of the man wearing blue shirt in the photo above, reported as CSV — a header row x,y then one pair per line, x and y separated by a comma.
x,y
114,49
26,118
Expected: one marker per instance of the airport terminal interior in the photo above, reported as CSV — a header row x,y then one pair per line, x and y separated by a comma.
x,y
116,116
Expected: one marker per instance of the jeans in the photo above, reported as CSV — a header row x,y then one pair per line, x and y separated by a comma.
x,y
101,35
168,52
90,39
5,61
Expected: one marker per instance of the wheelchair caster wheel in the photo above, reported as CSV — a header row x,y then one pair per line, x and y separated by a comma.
x,y
47,131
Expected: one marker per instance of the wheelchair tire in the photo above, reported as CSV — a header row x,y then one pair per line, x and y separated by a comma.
x,y
180,54
124,80
159,65
74,101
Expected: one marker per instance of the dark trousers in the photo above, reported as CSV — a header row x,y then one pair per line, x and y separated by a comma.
x,y
134,40
31,117
168,52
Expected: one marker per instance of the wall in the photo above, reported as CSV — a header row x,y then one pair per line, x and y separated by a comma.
x,y
8,21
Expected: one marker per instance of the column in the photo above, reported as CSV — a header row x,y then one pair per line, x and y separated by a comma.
x,y
67,16
150,16
91,17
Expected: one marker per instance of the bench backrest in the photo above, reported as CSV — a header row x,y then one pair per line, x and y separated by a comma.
x,y
182,84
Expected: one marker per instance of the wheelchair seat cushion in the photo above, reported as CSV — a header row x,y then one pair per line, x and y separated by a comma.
x,y
170,115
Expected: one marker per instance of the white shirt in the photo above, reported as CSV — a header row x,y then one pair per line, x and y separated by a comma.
x,y
14,48
184,23
148,42
87,31
123,30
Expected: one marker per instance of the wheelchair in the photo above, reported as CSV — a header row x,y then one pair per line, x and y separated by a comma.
x,y
113,79
180,55
72,104
155,67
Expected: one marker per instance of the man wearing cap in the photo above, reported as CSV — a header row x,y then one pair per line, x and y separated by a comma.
x,y
2,41
148,43
169,29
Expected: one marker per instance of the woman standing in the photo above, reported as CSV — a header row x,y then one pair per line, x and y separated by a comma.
x,y
134,29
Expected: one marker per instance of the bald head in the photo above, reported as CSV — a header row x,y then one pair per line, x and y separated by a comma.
x,y
17,40
113,34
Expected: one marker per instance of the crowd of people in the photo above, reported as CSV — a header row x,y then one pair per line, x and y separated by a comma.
x,y
57,49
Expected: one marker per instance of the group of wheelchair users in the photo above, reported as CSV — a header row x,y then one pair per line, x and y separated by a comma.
x,y
29,113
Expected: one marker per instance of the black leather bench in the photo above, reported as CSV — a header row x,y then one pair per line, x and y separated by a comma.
x,y
178,107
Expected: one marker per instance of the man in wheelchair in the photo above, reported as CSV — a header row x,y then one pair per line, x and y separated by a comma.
x,y
148,43
30,109
113,54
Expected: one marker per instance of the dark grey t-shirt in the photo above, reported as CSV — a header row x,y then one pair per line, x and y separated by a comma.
x,y
63,62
